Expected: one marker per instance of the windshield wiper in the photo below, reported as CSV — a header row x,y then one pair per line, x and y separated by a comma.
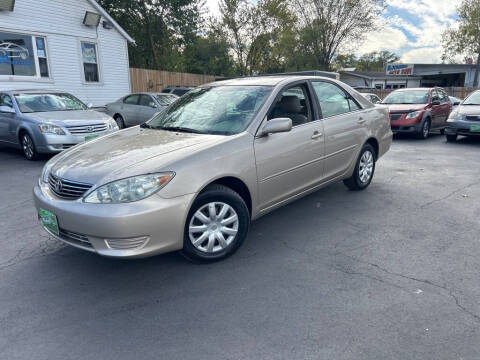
x,y
181,129
146,126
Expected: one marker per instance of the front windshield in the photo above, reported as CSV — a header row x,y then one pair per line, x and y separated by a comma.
x,y
222,110
472,99
32,103
407,97
166,100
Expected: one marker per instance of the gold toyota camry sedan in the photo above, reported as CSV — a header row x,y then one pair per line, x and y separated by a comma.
x,y
194,176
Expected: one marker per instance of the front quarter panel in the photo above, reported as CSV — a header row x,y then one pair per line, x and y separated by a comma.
x,y
233,157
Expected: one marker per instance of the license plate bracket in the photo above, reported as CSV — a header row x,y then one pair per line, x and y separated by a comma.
x,y
474,128
90,137
49,221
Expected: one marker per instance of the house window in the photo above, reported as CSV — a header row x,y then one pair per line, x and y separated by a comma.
x,y
16,55
23,55
90,62
42,57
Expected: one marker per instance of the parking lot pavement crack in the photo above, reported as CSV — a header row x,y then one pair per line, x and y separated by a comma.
x,y
448,195
368,276
444,288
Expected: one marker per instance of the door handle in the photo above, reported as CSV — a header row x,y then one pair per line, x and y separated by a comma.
x,y
361,121
316,135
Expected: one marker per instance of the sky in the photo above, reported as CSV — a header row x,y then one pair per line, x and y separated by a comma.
x,y
410,28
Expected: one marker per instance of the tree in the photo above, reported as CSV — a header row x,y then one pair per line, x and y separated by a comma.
x,y
161,29
464,40
376,61
325,26
209,55
254,30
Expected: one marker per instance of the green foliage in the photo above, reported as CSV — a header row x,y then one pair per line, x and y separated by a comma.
x,y
249,37
464,40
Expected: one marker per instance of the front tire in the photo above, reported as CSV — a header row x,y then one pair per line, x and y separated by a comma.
x,y
120,122
364,169
28,147
424,131
217,225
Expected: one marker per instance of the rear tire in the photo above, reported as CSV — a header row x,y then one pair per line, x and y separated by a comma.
x,y
120,122
451,138
28,146
217,225
364,169
424,131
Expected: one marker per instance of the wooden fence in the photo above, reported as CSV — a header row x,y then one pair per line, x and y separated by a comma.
x,y
458,92
155,80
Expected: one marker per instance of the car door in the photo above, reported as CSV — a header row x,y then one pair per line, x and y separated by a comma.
x,y
446,107
130,108
146,109
8,120
344,125
436,110
292,162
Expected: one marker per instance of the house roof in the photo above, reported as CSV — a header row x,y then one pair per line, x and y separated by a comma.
x,y
104,13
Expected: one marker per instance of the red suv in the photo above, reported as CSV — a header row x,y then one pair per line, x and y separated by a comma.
x,y
418,110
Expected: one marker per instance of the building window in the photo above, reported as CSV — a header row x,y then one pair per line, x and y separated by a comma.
x,y
23,55
90,62
42,57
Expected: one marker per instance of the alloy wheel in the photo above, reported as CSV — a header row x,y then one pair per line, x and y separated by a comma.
x,y
365,168
426,129
28,147
213,227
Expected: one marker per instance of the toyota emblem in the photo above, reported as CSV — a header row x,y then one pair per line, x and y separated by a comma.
x,y
90,129
58,185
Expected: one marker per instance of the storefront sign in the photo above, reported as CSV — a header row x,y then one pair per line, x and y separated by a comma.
x,y
400,69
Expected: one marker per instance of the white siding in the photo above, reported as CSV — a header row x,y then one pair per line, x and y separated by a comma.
x,y
60,21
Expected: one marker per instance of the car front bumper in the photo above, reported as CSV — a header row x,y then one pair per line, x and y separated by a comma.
x,y
51,143
461,128
132,230
404,125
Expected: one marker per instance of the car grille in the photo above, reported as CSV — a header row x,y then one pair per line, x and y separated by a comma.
x,y
395,116
126,244
67,189
86,129
473,117
75,239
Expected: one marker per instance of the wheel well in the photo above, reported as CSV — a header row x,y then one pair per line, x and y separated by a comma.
x,y
374,143
117,114
20,133
238,186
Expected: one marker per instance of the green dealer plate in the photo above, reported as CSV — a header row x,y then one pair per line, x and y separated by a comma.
x,y
475,128
49,221
90,137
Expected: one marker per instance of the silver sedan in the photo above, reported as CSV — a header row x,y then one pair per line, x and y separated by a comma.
x,y
135,109
193,177
39,121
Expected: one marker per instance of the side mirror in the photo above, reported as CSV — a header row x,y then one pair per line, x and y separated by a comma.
x,y
456,103
89,105
276,126
7,109
436,102
153,105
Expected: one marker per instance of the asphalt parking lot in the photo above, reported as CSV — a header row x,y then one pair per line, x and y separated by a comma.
x,y
388,273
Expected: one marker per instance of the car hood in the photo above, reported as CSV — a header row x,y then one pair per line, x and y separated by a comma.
x,y
468,109
406,107
129,152
67,118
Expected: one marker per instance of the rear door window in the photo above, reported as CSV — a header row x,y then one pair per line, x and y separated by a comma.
x,y
131,100
333,100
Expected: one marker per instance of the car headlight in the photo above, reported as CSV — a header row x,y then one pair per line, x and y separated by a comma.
x,y
413,115
51,129
455,115
112,124
129,190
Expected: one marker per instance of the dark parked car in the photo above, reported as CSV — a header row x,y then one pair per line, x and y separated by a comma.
x,y
465,120
135,109
418,110
177,90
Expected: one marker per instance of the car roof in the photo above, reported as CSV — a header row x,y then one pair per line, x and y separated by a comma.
x,y
34,91
265,80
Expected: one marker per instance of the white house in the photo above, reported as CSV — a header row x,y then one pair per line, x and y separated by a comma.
x,y
68,45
